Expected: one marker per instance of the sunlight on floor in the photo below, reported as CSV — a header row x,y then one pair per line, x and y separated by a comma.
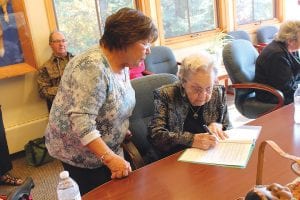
x,y
235,117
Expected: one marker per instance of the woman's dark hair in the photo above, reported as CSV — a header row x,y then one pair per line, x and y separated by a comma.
x,y
126,27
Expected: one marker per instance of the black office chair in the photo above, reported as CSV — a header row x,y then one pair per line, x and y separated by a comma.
x,y
139,150
161,60
239,58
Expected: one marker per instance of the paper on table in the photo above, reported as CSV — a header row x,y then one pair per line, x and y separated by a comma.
x,y
233,152
243,134
222,154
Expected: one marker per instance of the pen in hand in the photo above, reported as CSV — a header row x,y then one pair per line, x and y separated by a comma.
x,y
209,131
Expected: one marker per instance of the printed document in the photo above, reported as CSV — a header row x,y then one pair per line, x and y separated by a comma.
x,y
235,151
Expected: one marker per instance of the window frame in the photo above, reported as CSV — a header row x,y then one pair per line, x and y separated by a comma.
x,y
193,39
252,27
140,4
225,22
52,18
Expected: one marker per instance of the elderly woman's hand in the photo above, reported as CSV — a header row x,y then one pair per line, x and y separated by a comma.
x,y
204,141
118,166
217,129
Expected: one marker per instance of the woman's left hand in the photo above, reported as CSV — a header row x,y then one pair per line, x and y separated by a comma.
x,y
118,166
217,129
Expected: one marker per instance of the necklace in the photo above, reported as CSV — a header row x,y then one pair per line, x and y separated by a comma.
x,y
195,113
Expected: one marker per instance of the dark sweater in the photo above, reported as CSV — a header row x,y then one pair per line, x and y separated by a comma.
x,y
277,67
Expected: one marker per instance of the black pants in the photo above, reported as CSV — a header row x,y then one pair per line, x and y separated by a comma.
x,y
5,161
88,179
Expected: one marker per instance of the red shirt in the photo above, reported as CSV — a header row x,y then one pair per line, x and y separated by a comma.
x,y
136,72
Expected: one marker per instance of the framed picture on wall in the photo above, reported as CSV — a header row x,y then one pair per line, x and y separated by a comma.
x,y
16,50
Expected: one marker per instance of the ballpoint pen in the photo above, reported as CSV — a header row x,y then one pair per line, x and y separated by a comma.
x,y
207,130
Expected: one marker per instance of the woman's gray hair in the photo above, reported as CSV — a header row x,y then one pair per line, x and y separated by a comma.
x,y
289,30
201,62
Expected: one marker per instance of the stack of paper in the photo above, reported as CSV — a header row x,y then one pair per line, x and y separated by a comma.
x,y
235,151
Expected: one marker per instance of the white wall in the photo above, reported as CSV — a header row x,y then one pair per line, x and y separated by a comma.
x,y
292,10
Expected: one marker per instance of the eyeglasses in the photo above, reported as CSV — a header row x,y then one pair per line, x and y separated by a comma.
x,y
146,45
200,90
59,41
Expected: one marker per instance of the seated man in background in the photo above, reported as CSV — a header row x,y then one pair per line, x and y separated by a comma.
x,y
50,73
181,109
277,65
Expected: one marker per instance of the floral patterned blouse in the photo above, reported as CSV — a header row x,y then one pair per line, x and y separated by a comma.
x,y
91,102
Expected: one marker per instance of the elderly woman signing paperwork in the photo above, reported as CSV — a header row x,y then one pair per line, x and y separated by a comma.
x,y
183,109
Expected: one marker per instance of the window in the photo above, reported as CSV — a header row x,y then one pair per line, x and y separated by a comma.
x,y
181,23
256,12
183,17
249,11
83,21
184,20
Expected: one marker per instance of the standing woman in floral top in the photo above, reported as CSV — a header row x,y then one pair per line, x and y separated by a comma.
x,y
181,109
89,116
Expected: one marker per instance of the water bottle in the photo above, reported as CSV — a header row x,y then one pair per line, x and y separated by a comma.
x,y
67,188
297,105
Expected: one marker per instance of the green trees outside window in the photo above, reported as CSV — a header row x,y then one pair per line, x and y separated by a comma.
x,y
83,21
251,11
184,17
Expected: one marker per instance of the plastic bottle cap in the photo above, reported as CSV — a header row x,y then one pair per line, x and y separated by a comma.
x,y
64,174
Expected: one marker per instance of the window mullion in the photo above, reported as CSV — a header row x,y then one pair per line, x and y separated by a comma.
x,y
97,6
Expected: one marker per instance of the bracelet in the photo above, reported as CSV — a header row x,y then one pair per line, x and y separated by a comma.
x,y
105,154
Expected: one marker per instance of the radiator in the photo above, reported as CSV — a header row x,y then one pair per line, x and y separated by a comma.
x,y
18,135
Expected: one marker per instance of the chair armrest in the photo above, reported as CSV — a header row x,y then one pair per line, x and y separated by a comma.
x,y
133,154
146,72
278,94
295,165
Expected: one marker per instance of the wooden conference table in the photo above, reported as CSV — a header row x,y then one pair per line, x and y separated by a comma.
x,y
170,179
